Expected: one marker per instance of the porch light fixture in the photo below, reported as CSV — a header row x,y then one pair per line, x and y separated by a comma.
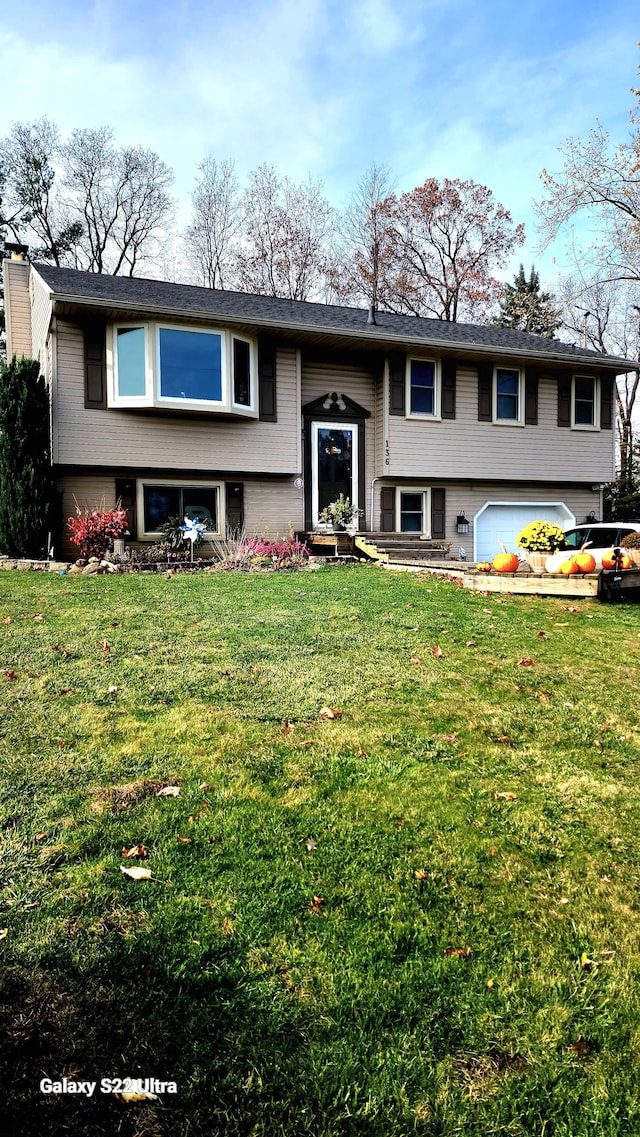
x,y
462,525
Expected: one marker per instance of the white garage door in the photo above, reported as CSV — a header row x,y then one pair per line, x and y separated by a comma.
x,y
502,521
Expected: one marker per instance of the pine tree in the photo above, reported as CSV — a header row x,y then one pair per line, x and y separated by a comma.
x,y
525,307
28,496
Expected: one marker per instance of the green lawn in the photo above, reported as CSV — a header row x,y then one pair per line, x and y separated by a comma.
x,y
460,942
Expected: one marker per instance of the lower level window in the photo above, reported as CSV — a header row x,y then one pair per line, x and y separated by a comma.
x,y
411,512
160,502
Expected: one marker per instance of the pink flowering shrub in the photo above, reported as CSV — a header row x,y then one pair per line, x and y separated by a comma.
x,y
95,530
281,553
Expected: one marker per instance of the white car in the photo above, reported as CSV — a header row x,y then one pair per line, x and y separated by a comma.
x,y
601,536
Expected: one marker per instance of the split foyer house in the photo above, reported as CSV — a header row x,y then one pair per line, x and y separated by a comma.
x,y
256,411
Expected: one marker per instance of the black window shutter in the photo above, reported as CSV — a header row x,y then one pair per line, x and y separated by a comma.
x,y
387,509
268,408
397,382
95,372
606,402
531,396
234,506
126,496
449,371
437,512
485,399
564,401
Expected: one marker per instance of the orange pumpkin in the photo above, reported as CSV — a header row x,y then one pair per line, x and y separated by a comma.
x,y
610,561
483,566
568,568
584,562
506,562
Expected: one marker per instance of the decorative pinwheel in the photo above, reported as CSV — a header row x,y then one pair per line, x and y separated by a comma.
x,y
192,530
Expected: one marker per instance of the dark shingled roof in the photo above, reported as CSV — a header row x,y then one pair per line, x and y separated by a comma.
x,y
163,297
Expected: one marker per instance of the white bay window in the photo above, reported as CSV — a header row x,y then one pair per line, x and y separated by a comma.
x,y
163,365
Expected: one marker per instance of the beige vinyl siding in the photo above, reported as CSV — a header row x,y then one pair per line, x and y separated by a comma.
x,y
324,378
468,498
273,508
147,439
17,308
464,447
40,316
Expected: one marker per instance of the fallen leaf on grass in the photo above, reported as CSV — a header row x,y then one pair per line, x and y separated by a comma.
x,y
570,608
586,963
28,907
605,879
420,874
307,742
136,874
139,1095
579,1046
466,952
66,691
104,645
525,661
415,661
315,906
353,617
542,636
183,840
437,652
38,616
330,713
112,689
6,619
168,791
311,845
204,786
490,983
287,728
491,852
471,643
4,932
565,625
505,795
135,851
8,674
362,754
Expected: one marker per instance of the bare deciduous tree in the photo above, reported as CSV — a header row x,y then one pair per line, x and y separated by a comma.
x,y
86,202
30,155
287,231
364,228
212,235
602,314
602,183
444,241
122,196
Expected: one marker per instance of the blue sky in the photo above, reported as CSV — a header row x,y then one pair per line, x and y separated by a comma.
x,y
481,89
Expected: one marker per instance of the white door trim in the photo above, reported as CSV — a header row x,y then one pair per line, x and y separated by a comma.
x,y
316,427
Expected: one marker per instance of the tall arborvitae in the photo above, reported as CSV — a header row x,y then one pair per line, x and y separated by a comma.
x,y
525,307
27,491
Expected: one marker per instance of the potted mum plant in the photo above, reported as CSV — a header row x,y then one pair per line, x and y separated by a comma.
x,y
539,539
631,545
341,514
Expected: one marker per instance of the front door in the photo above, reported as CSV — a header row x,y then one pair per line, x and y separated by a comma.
x,y
334,464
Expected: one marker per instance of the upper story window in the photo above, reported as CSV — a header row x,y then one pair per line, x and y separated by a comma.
x,y
508,396
585,403
423,388
184,368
